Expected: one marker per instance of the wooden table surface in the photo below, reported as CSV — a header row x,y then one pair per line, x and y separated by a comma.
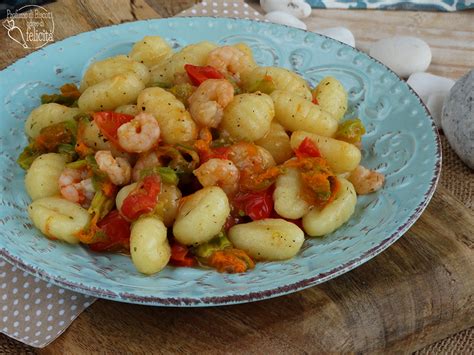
x,y
418,291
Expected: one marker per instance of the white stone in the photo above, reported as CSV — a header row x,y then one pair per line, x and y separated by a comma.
x,y
285,19
297,8
404,55
426,84
433,91
341,34
458,118
434,104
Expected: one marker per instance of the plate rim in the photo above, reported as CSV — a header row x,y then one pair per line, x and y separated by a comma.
x,y
252,296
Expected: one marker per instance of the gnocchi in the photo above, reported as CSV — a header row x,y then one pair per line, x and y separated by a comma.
x,y
111,67
175,122
128,110
282,79
59,219
165,73
317,223
201,216
296,113
331,97
168,203
41,179
248,51
248,116
122,195
277,143
287,195
149,247
108,94
46,115
268,239
151,50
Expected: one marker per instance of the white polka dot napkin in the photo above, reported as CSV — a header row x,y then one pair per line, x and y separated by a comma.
x,y
223,9
33,311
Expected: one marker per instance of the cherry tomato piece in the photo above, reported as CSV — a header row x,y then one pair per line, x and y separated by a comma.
x,y
117,231
143,199
199,74
255,204
109,122
180,255
307,148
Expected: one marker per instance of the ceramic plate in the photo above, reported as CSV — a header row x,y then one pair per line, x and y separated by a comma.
x,y
401,142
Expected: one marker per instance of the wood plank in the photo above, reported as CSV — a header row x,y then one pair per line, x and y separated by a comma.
x,y
100,14
171,8
418,291
72,17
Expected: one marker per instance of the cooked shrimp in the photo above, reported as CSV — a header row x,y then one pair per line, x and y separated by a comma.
x,y
140,134
207,103
76,186
230,60
117,169
256,165
147,160
365,180
248,156
219,172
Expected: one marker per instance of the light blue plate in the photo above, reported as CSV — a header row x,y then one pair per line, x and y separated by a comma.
x,y
401,142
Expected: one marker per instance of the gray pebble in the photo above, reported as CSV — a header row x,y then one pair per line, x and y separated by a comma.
x,y
458,118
